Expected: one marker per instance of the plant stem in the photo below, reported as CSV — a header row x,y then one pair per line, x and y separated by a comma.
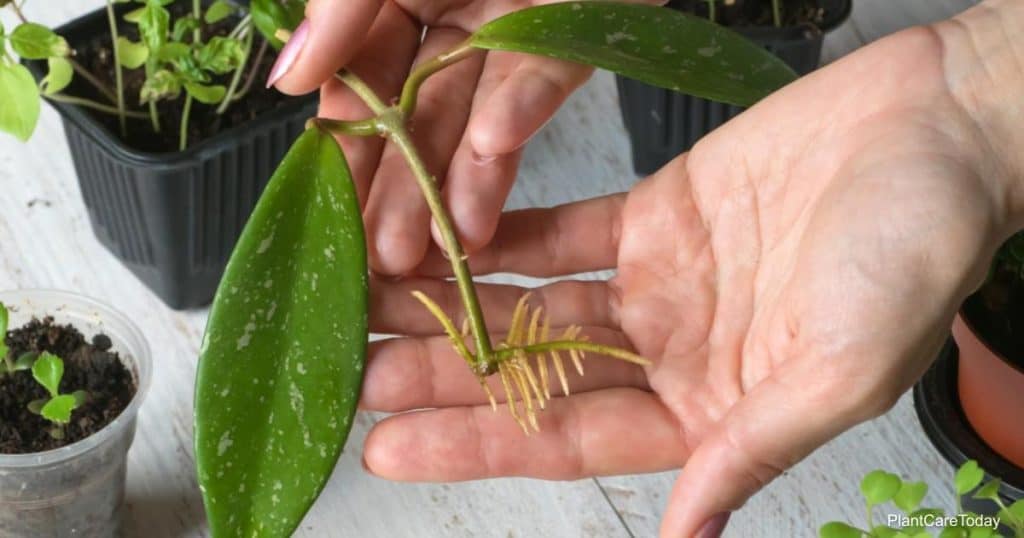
x,y
183,135
253,70
777,13
197,12
711,10
96,83
88,103
369,127
118,77
18,12
400,136
407,103
229,97
154,116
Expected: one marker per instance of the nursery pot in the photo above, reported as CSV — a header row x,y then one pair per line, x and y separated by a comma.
x,y
991,390
663,124
76,490
173,218
944,420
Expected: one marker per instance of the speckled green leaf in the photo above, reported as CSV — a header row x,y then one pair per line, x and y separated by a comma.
x,y
656,45
281,364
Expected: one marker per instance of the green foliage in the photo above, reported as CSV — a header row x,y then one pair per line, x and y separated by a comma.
x,y
281,364
658,46
48,370
271,15
132,55
36,42
880,487
218,11
59,76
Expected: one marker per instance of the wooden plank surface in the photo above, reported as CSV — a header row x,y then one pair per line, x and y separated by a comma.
x,y
582,153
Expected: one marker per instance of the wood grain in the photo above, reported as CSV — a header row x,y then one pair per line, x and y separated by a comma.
x,y
48,244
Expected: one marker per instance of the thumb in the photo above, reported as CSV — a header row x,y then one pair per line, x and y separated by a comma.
x,y
771,428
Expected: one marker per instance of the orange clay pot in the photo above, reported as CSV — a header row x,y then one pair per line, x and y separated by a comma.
x,y
991,393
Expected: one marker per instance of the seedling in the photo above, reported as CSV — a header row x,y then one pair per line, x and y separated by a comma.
x,y
173,54
281,362
880,487
10,364
48,370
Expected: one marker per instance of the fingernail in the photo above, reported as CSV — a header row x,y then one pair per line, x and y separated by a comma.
x,y
714,527
289,53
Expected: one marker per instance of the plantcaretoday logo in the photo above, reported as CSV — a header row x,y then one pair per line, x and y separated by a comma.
x,y
941,521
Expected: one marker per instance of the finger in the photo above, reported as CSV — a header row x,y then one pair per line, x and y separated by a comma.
x,y
413,373
778,423
383,62
394,310
397,218
325,42
523,103
585,435
568,239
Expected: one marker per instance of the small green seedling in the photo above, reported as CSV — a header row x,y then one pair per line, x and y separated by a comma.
x,y
915,521
48,370
9,363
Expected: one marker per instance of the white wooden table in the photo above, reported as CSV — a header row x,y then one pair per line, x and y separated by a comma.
x,y
46,242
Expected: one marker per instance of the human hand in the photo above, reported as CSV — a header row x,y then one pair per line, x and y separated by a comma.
x,y
789,278
471,124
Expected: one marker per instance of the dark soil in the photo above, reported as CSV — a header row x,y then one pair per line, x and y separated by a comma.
x,y
746,13
89,366
996,311
97,57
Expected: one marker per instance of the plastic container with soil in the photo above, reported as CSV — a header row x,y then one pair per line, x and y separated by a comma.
x,y
662,124
77,489
173,217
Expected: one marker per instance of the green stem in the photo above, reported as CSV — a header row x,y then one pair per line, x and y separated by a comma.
x,y
777,13
369,127
229,97
183,135
87,103
197,12
711,10
154,116
96,83
118,76
407,103
363,90
253,71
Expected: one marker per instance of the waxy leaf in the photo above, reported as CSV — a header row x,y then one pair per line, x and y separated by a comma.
x,y
21,102
281,363
656,45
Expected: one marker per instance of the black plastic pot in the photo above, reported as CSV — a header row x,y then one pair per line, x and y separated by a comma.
x,y
937,404
174,218
663,124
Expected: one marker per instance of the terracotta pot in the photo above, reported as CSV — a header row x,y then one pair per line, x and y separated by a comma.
x,y
991,392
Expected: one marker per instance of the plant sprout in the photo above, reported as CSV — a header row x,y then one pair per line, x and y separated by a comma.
x,y
48,370
9,365
879,487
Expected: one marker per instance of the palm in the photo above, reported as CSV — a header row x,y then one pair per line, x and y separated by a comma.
x,y
789,277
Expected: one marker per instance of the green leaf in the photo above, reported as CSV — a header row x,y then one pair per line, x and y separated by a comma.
x,y
48,371
990,490
879,486
219,11
153,25
173,51
59,409
209,95
953,532
882,531
838,529
36,406
21,102
162,85
221,55
184,26
58,77
281,363
36,42
135,15
656,45
4,315
25,361
133,55
910,495
967,477
271,15
80,397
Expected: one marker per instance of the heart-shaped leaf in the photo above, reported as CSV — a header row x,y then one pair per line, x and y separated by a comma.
x,y
281,364
656,45
879,487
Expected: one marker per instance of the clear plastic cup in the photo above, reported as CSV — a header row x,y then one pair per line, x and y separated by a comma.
x,y
76,490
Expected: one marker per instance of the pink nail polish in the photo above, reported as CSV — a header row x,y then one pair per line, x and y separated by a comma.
x,y
715,526
289,53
